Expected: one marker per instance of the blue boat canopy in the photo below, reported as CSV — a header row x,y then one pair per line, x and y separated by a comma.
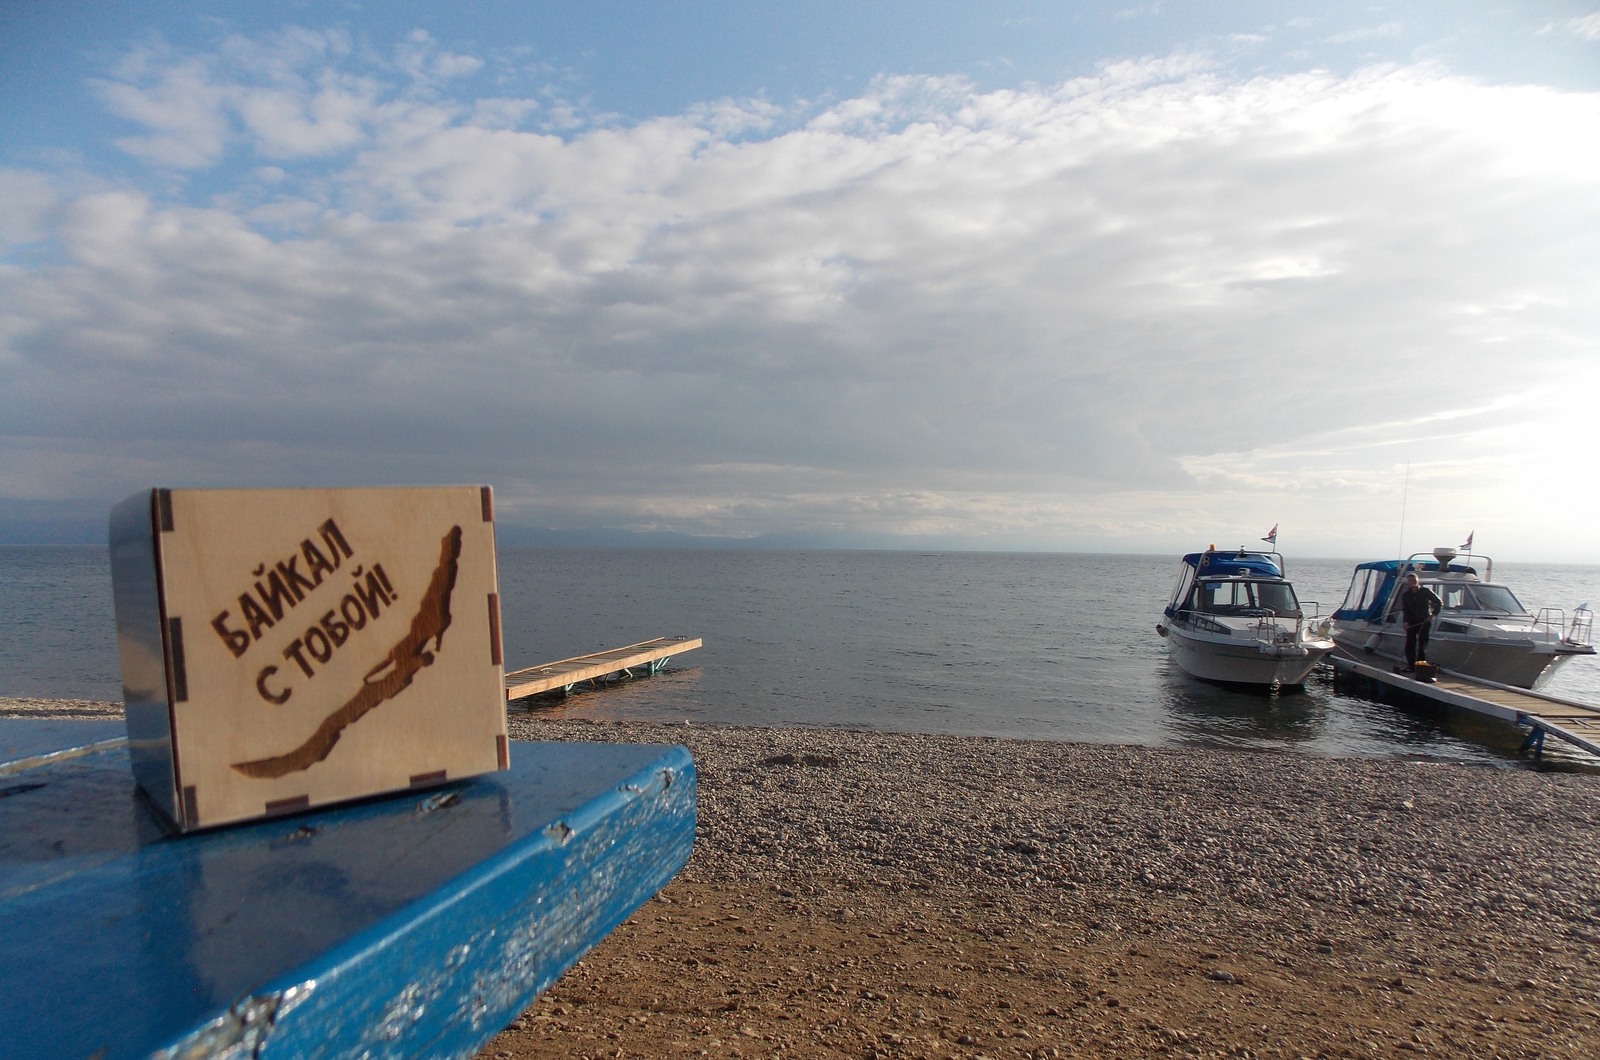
x,y
1373,583
1222,564
1254,583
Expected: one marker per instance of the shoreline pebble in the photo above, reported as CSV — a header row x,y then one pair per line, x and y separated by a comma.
x,y
1353,906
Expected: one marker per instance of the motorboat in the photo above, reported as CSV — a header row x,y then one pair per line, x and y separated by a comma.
x,y
1234,618
1482,629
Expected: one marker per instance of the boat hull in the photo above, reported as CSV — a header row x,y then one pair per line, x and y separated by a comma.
x,y
1210,659
1521,663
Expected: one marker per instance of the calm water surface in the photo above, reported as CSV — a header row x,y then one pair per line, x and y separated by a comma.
x,y
1055,647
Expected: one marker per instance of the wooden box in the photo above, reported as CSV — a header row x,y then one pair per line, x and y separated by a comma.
x,y
284,649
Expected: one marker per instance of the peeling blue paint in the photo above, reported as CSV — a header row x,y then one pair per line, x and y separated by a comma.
x,y
381,929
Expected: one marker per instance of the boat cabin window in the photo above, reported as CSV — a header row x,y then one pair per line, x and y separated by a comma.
x,y
1499,598
1364,588
1492,599
1277,597
1245,598
1180,588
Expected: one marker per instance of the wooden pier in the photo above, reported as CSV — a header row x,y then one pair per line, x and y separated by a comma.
x,y
647,656
1567,720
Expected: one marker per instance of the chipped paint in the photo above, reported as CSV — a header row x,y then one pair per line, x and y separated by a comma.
x,y
242,1031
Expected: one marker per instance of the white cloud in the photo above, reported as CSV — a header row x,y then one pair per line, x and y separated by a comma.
x,y
178,105
421,58
1385,29
288,95
1585,27
29,197
1031,313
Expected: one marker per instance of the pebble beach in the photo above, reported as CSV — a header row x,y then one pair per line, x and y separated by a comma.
x,y
857,893
875,894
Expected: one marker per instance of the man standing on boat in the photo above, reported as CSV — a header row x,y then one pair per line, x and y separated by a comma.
x,y
1417,607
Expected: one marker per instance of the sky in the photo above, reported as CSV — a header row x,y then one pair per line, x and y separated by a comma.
x,y
1000,275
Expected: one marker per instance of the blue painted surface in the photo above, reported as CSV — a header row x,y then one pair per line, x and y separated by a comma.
x,y
413,925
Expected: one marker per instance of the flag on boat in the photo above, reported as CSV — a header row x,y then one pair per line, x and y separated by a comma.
x,y
1468,546
1272,535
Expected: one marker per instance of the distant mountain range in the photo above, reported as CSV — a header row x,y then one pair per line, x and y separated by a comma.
x,y
83,529
507,536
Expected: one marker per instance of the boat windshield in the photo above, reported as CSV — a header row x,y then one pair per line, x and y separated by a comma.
x,y
1490,599
1248,598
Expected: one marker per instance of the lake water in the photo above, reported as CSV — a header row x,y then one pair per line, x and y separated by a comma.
x,y
1040,646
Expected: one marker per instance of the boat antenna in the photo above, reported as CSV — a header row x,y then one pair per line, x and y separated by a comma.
x,y
1405,489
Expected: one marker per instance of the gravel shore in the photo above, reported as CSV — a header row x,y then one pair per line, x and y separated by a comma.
x,y
867,894
875,894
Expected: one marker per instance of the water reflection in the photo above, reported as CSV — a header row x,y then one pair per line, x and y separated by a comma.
x,y
1324,719
1207,715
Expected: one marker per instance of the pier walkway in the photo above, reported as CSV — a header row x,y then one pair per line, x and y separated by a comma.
x,y
649,656
1567,720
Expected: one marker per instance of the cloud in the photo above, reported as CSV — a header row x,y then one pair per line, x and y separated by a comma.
x,y
178,105
290,95
1385,29
1029,312
29,198
1585,27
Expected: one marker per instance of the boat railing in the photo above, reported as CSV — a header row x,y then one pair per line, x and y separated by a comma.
x,y
1579,632
1269,628
1548,627
1273,629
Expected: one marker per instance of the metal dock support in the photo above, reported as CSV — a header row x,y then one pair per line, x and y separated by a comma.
x,y
649,655
1568,720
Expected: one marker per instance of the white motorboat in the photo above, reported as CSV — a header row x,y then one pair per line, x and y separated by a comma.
x,y
1234,619
1482,630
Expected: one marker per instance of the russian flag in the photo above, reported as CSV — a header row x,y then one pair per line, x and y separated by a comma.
x,y
1272,535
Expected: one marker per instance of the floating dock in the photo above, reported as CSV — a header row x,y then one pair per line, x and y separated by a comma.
x,y
1567,720
647,657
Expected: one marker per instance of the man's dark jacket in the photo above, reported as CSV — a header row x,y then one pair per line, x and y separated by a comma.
x,y
1419,604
